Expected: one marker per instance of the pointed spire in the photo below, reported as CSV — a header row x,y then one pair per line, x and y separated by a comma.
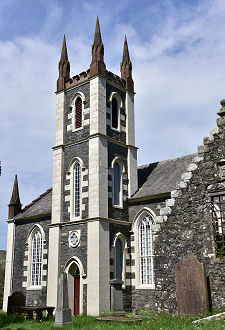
x,y
15,205
97,65
126,67
15,199
98,37
64,67
64,55
126,56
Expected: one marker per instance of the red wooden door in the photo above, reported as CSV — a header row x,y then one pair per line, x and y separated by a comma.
x,y
76,294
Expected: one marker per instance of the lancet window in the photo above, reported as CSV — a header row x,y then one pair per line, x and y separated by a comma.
x,y
77,189
78,113
146,254
114,113
36,258
117,185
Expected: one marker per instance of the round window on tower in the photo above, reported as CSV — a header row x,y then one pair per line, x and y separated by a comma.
x,y
74,238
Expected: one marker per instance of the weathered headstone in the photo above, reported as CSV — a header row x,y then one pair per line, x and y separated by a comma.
x,y
63,315
17,299
117,296
191,286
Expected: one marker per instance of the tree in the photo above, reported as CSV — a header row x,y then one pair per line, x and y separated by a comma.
x,y
2,277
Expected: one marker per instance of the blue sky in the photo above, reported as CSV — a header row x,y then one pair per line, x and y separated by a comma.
x,y
177,49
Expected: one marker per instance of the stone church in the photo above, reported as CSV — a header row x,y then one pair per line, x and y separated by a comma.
x,y
160,227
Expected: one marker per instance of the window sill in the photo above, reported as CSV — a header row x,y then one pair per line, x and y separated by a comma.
x,y
77,129
76,219
34,287
115,129
146,287
118,207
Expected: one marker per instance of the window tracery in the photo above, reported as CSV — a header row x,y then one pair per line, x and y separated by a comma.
x,y
146,254
36,258
77,189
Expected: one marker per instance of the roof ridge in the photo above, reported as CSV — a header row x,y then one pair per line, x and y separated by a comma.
x,y
165,160
36,199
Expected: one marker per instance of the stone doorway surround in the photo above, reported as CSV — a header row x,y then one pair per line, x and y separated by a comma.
x,y
74,267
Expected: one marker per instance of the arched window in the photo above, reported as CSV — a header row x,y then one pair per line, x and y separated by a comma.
x,y
114,113
77,189
36,258
218,217
78,113
117,183
119,259
146,250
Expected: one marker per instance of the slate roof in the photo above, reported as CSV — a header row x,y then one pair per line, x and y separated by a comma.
x,y
153,179
161,177
38,207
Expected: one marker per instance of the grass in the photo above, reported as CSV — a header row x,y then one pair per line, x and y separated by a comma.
x,y
160,322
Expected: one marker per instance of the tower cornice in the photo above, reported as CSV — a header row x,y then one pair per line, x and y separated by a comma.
x,y
83,77
92,136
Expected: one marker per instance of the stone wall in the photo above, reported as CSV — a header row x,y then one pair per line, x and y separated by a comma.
x,y
115,150
142,299
20,282
186,225
117,135
73,136
70,153
125,230
80,251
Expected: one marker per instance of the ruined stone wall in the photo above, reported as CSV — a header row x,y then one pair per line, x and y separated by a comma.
x,y
186,224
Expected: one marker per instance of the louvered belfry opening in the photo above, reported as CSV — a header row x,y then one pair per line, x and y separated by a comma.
x,y
114,113
78,113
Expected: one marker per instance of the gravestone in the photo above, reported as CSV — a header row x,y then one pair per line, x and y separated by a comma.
x,y
191,286
117,296
17,299
63,315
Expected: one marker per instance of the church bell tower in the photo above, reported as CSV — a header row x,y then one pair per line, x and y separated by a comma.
x,y
94,174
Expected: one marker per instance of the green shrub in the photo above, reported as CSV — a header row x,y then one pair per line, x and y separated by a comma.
x,y
2,277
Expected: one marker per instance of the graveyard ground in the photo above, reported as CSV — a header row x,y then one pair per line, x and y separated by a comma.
x,y
160,322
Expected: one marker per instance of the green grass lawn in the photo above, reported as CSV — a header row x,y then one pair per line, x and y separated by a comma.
x,y
160,322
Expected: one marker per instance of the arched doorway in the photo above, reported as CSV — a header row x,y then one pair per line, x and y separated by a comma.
x,y
74,288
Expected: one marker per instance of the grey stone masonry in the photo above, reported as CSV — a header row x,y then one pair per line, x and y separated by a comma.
x,y
115,150
187,225
142,299
20,280
71,135
80,251
114,229
79,151
121,134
